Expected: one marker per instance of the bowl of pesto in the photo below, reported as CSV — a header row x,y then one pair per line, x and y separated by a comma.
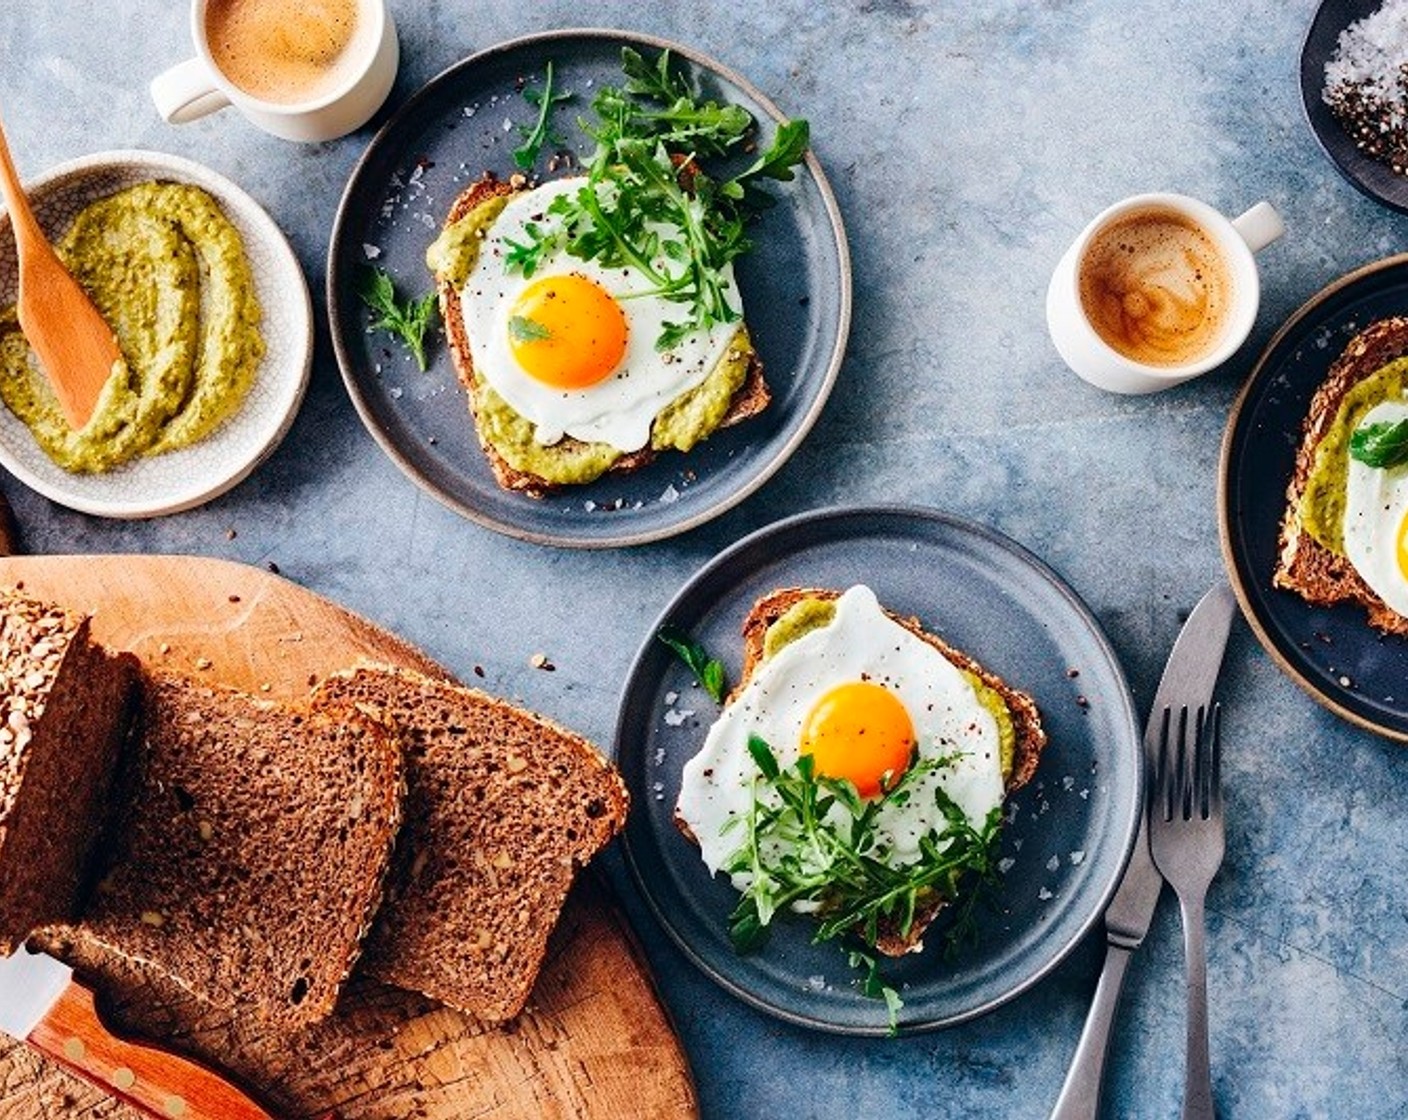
x,y
213,319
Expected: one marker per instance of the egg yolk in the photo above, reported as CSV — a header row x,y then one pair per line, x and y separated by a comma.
x,y
859,731
567,332
1402,550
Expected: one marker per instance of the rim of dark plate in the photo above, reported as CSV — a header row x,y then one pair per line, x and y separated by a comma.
x,y
728,501
1224,517
1052,578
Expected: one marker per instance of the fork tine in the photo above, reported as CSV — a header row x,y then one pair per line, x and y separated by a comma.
x,y
1198,784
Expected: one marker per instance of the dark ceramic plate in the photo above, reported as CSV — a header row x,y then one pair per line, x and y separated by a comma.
x,y
796,287
1330,652
1375,179
1074,825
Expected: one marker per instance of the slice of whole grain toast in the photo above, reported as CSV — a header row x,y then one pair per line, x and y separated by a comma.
x,y
1304,565
750,399
1026,721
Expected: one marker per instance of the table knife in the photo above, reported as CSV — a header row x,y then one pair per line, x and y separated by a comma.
x,y
1189,678
43,1005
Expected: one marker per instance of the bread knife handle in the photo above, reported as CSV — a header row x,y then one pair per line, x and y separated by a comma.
x,y
150,1079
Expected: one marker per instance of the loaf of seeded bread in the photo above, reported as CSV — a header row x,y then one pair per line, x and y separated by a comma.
x,y
250,848
64,702
502,807
1304,565
749,400
1030,737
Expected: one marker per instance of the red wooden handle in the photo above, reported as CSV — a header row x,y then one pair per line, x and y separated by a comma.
x,y
156,1081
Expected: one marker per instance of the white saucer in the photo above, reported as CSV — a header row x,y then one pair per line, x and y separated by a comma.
x,y
181,479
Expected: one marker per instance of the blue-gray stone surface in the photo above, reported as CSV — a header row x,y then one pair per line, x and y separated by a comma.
x,y
967,144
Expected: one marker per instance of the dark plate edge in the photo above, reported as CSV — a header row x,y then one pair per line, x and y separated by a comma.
x,y
1224,514
1102,641
622,540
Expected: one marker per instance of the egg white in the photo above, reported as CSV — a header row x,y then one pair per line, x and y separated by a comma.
x,y
620,409
1375,503
862,642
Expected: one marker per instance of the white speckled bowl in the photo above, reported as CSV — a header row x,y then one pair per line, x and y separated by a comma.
x,y
181,479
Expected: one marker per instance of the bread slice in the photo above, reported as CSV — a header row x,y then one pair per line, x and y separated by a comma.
x,y
1304,565
64,704
750,399
1026,720
502,808
250,847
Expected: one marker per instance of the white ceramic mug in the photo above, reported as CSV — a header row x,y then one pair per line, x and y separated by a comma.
x,y
195,88
1102,365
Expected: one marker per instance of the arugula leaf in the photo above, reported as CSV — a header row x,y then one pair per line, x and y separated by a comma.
x,y
873,985
526,154
709,671
811,839
523,329
1381,445
407,323
789,146
650,204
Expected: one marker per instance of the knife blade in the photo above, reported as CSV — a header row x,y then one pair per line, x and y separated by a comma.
x,y
43,1005
1188,679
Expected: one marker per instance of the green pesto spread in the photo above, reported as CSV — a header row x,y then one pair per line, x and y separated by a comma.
x,y
168,272
453,255
1322,506
806,615
681,424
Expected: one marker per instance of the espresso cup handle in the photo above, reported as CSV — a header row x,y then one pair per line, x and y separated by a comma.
x,y
185,93
1259,226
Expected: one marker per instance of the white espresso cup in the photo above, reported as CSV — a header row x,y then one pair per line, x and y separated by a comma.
x,y
366,70
1235,241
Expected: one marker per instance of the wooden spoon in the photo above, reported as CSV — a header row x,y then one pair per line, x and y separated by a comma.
x,y
76,347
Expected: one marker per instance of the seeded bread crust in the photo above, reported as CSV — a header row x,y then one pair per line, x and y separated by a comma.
x,y
1026,720
1304,565
64,706
502,808
750,399
249,852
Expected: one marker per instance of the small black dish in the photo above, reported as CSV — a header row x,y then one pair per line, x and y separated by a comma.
x,y
1377,180
1069,831
1332,653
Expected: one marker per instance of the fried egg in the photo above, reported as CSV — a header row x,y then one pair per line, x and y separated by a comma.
x,y
1376,518
572,347
859,694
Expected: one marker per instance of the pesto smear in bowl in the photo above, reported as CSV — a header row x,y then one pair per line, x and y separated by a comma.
x,y
169,273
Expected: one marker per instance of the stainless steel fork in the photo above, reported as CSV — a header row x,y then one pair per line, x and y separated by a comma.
x,y
1187,841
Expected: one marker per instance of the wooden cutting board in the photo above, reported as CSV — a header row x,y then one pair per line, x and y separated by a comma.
x,y
594,1042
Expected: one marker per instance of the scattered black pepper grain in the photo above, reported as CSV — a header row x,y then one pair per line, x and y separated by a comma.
x,y
479,670
272,567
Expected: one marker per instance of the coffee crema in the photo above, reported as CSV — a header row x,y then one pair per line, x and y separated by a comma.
x,y
282,51
1156,287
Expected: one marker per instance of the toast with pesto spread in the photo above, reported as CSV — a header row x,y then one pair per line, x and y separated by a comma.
x,y
1310,563
1028,738
499,430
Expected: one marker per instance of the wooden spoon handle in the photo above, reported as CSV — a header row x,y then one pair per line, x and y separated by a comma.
x,y
27,231
156,1081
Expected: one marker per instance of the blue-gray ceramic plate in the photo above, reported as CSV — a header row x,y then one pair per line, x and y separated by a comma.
x,y
1074,824
1331,652
1370,176
795,284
